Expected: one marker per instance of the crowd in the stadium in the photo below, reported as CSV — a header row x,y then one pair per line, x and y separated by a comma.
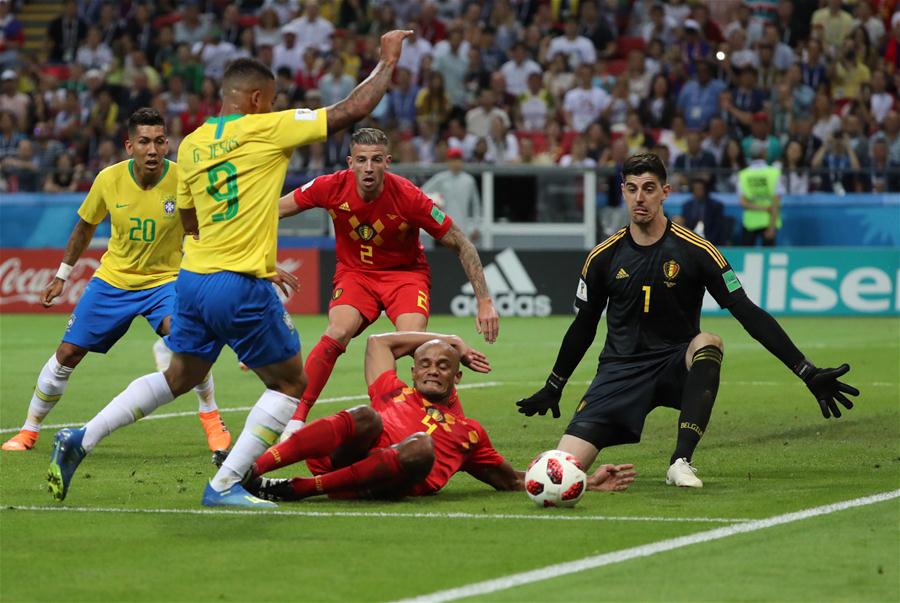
x,y
709,86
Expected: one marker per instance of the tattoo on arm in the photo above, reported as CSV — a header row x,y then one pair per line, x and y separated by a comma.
x,y
78,241
362,100
468,257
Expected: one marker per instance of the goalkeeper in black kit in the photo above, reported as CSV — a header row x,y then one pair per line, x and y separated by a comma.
x,y
651,276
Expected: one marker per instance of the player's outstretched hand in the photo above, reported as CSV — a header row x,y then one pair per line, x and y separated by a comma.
x,y
392,44
286,281
824,385
611,478
546,398
487,321
476,361
52,291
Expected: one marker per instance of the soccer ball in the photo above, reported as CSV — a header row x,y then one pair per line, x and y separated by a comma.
x,y
555,479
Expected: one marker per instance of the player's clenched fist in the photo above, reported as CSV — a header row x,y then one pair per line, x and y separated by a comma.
x,y
392,44
547,398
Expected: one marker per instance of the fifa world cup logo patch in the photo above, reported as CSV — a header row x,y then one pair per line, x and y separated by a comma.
x,y
671,270
365,232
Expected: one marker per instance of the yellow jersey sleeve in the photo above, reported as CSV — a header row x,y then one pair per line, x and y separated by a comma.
x,y
144,247
93,209
231,171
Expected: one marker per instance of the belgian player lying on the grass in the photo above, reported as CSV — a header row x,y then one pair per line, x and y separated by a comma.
x,y
410,441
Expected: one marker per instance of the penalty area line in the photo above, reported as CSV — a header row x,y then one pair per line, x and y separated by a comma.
x,y
173,415
370,514
646,550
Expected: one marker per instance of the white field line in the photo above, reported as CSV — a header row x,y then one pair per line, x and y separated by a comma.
x,y
380,514
646,550
172,415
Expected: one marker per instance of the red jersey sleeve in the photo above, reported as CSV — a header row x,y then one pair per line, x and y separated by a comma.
x,y
314,193
423,213
483,454
384,388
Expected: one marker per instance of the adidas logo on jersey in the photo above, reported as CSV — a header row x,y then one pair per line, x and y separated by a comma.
x,y
510,285
621,274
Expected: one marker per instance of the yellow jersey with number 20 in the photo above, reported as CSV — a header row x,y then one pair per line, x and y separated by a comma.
x,y
231,171
144,249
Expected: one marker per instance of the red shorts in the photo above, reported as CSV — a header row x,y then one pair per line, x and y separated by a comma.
x,y
323,465
395,292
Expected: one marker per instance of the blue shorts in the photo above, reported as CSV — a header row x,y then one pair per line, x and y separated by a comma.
x,y
212,310
104,313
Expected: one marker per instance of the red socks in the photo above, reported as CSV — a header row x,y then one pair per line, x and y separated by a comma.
x,y
319,438
319,364
381,469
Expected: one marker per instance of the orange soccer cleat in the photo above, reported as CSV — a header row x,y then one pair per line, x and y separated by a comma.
x,y
24,440
217,435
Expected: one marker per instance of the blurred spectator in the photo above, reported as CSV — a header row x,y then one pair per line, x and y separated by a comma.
x,y
795,170
231,28
577,156
479,118
385,20
597,141
502,145
558,79
838,164
247,45
578,48
65,33
881,100
815,73
766,72
635,135
716,138
709,29
693,47
674,139
267,32
104,115
432,102
699,98
452,63
747,96
759,190
637,75
94,54
852,126
658,108
880,175
479,151
518,68
658,27
891,135
593,27
429,25
732,163
802,95
312,29
337,85
401,100
527,155
308,73
10,136
175,135
186,66
285,9
457,193
425,141
620,103
215,52
415,48
492,57
504,22
835,22
192,28
535,105
65,177
824,120
760,139
288,53
584,104
22,170
107,154
694,161
17,103
704,214
801,132
503,100
12,36
69,122
139,30
849,72
743,22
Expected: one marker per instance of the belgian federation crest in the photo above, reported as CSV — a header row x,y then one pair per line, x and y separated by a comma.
x,y
671,269
365,232
169,206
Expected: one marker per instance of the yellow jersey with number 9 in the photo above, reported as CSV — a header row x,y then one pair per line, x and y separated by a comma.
x,y
231,171
145,246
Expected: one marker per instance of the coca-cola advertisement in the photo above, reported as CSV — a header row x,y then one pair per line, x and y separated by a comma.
x,y
25,272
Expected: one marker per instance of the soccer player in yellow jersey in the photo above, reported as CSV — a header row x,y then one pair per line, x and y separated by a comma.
x,y
136,276
231,173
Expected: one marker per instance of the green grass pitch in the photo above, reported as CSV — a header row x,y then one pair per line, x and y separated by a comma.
x,y
129,529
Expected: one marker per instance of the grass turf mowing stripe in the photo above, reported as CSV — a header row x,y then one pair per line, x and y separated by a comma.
x,y
379,514
173,415
646,550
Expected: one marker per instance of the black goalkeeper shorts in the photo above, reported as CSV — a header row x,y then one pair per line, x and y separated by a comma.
x,y
624,392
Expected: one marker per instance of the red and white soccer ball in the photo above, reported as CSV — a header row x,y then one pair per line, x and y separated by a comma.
x,y
555,479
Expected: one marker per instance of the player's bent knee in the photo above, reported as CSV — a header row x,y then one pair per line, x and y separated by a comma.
x,y
416,455
70,355
341,333
708,339
366,421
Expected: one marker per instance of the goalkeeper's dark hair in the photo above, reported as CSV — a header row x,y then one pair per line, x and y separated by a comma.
x,y
145,116
644,163
369,137
246,73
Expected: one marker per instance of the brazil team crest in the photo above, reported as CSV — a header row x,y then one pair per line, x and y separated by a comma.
x,y
169,206
365,232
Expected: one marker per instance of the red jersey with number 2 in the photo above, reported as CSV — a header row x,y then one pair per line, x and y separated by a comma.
x,y
382,234
460,443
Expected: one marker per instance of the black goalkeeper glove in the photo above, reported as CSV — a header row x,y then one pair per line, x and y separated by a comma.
x,y
547,398
824,385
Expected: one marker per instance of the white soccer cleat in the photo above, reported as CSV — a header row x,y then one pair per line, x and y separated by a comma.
x,y
683,474
292,426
